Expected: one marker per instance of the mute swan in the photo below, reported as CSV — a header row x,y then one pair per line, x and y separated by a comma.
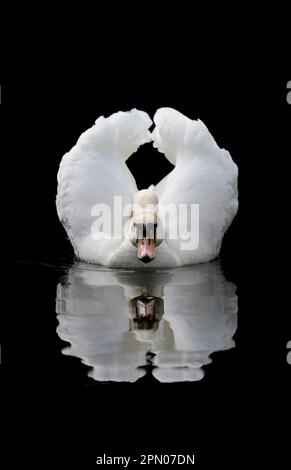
x,y
95,186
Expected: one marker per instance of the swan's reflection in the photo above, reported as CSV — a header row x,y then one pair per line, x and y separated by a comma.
x,y
119,321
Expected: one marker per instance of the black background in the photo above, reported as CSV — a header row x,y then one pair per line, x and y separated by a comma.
x,y
239,412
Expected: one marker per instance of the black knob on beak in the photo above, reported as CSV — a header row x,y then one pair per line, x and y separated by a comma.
x,y
146,259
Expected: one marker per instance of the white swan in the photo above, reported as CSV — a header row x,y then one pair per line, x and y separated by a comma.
x,y
94,172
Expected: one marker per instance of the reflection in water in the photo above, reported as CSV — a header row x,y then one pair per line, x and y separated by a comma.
x,y
119,321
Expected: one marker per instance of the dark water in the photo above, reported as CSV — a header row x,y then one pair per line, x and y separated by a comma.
x,y
207,361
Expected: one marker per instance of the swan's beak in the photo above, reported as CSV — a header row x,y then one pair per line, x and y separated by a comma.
x,y
146,249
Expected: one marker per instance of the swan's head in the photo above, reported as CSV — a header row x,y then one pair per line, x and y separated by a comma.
x,y
144,223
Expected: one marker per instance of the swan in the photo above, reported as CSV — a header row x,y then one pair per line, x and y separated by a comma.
x,y
180,221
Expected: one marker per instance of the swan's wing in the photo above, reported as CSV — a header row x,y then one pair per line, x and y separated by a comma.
x,y
93,172
204,174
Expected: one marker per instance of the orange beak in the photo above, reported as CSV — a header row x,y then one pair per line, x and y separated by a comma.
x,y
146,249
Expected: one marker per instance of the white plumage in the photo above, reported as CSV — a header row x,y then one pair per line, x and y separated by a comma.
x,y
94,171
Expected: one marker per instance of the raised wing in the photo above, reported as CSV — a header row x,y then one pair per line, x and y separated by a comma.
x,y
93,172
204,174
